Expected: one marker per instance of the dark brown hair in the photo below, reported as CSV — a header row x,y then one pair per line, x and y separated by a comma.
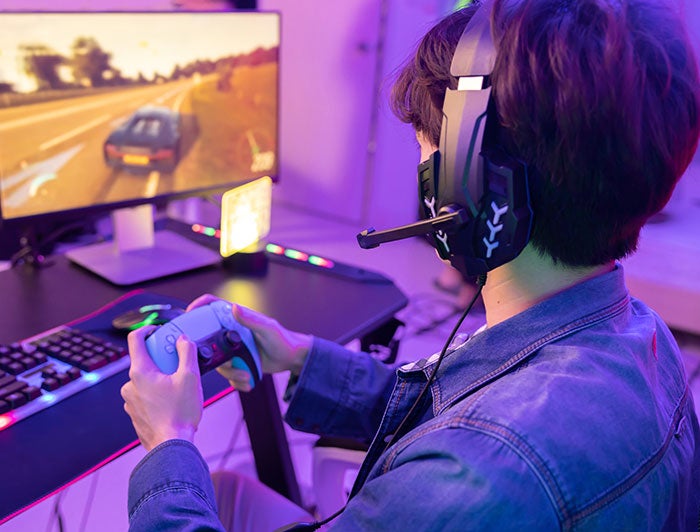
x,y
599,97
419,90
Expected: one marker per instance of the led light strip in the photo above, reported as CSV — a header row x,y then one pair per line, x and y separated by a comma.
x,y
275,249
209,231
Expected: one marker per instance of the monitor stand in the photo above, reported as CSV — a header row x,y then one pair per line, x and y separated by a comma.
x,y
138,253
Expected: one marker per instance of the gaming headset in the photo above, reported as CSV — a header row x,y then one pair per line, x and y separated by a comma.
x,y
473,194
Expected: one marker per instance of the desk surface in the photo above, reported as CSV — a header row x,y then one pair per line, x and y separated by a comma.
x,y
40,454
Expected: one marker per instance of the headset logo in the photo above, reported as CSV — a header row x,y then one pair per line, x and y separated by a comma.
x,y
494,227
440,235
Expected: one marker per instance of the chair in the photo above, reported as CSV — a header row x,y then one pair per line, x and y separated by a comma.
x,y
336,461
334,465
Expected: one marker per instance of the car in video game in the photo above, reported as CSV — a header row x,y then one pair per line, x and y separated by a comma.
x,y
149,139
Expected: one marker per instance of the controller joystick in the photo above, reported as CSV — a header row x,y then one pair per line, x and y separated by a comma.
x,y
217,335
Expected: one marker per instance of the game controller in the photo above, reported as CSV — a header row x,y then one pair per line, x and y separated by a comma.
x,y
218,336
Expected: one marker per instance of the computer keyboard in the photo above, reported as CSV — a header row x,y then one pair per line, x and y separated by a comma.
x,y
41,371
51,366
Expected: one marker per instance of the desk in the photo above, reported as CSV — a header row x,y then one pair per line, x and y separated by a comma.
x,y
50,449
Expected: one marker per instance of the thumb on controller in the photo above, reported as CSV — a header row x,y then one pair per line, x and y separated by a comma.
x,y
187,355
249,318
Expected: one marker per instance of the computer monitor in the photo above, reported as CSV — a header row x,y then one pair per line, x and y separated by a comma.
x,y
109,111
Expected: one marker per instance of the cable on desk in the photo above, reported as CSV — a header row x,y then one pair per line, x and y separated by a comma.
x,y
57,515
88,502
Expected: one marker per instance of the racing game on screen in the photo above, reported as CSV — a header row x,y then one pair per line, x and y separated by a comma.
x,y
106,108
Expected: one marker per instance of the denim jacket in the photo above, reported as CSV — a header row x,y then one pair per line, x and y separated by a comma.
x,y
573,415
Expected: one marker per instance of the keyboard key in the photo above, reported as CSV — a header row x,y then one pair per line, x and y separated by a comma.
x,y
28,362
50,384
48,372
15,368
12,388
4,407
76,359
31,392
62,378
74,373
7,379
91,364
16,399
113,354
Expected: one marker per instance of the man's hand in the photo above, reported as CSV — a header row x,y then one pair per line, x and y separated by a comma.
x,y
280,349
162,407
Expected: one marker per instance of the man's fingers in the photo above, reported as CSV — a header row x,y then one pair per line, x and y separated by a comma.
x,y
140,359
255,321
201,301
238,378
187,354
126,391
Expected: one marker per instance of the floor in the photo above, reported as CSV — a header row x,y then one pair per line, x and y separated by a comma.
x,y
98,502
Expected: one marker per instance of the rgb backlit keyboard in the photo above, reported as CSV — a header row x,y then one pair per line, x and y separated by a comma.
x,y
51,366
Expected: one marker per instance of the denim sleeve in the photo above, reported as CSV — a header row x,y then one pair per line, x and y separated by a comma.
x,y
170,489
340,393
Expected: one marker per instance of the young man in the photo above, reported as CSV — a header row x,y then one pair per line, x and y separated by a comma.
x,y
570,409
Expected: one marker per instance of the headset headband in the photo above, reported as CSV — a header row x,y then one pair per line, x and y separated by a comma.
x,y
465,114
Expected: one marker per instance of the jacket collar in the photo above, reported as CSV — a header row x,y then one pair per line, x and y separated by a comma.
x,y
494,351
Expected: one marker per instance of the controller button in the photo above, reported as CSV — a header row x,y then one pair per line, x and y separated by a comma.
x,y
170,338
233,338
170,349
205,352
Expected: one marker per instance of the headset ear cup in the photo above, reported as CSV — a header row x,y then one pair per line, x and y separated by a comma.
x,y
505,217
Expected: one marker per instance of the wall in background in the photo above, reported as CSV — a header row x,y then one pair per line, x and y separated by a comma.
x,y
327,59
343,153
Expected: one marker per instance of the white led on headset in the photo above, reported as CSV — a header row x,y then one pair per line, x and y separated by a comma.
x,y
470,83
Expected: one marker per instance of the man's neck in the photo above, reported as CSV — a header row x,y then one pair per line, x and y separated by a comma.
x,y
527,280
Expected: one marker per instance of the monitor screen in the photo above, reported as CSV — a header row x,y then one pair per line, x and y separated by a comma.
x,y
107,110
